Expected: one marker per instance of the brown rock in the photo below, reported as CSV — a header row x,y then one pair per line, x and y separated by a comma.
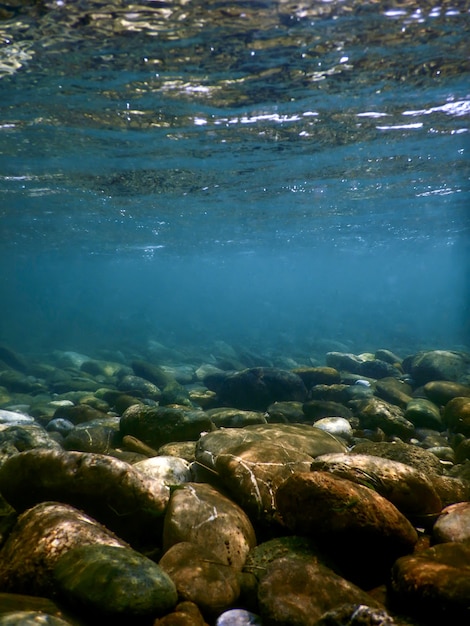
x,y
453,524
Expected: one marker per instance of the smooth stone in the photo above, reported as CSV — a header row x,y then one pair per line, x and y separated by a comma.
x,y
171,470
156,426
69,358
152,373
235,418
426,366
174,393
376,413
462,452
200,514
254,389
442,391
300,437
139,387
394,391
13,418
376,368
453,524
337,426
434,584
185,614
182,449
318,375
113,582
457,415
183,374
238,617
297,591
253,471
415,456
388,356
27,437
285,413
367,532
60,425
41,535
318,409
424,414
108,489
97,367
445,454
216,586
17,382
99,438
31,618
337,392
451,489
344,361
411,491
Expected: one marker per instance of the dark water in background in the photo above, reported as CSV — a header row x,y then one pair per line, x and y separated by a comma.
x,y
292,177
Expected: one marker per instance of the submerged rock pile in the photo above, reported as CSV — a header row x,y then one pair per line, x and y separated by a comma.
x,y
235,493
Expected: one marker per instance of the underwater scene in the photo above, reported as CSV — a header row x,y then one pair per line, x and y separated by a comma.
x,y
235,312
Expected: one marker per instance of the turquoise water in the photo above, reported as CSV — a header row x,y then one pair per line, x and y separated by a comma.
x,y
284,176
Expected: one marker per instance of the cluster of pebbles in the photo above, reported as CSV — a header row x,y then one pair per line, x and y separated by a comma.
x,y
235,494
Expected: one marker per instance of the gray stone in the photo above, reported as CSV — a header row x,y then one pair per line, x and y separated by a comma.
x,y
437,365
171,470
453,524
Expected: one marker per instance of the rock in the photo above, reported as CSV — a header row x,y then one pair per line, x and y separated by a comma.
x,y
337,426
113,582
365,530
394,391
453,524
152,373
299,437
60,425
418,458
424,414
256,388
156,426
27,437
336,393
238,617
318,375
344,361
285,413
79,414
97,367
175,393
375,413
442,391
17,382
451,489
357,615
234,418
183,449
31,618
297,591
199,514
434,584
457,415
98,438
109,490
252,472
185,614
171,470
317,409
139,387
377,369
41,535
432,365
388,356
216,586
14,418
411,491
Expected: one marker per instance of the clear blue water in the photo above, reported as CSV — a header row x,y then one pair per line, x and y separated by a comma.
x,y
283,176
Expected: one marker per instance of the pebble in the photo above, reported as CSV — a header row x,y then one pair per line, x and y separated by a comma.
x,y
246,494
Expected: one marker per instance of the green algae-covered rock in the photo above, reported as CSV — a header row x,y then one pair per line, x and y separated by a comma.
x,y
114,581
